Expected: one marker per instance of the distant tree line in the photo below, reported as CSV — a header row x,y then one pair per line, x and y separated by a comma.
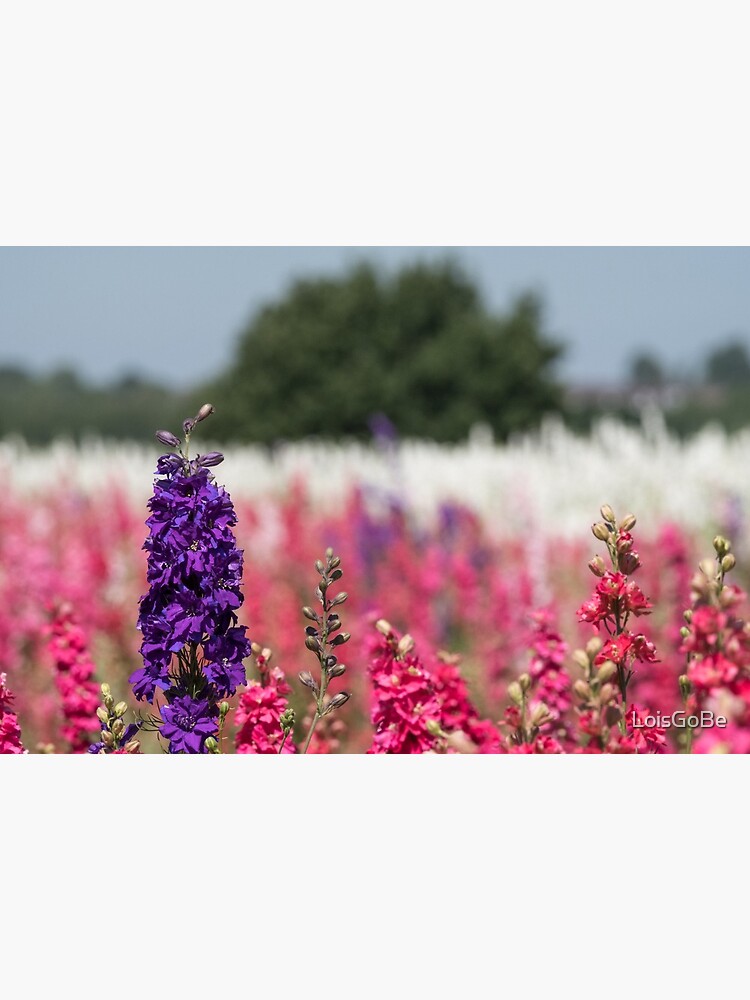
x,y
41,408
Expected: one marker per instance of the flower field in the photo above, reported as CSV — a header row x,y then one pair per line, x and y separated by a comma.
x,y
391,598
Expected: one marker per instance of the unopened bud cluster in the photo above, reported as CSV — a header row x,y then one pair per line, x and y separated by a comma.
x,y
324,636
116,736
207,461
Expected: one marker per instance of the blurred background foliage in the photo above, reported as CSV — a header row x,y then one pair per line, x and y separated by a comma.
x,y
416,351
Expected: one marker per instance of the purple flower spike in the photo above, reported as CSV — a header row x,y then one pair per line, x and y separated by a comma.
x,y
193,645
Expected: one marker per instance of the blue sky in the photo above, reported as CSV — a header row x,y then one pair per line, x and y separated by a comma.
x,y
174,313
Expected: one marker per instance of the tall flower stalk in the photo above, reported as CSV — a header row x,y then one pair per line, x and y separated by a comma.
x,y
616,600
322,638
74,678
193,646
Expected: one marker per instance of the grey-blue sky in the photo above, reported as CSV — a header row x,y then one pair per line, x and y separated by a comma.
x,y
174,312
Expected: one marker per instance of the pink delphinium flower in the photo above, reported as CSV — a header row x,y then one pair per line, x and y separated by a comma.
x,y
10,732
74,672
406,711
259,714
550,680
458,714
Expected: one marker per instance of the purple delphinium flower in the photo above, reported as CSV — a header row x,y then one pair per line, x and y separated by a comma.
x,y
193,646
187,722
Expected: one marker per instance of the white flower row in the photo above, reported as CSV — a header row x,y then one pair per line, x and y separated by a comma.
x,y
551,481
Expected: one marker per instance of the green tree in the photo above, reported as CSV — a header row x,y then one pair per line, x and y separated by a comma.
x,y
646,372
729,365
419,347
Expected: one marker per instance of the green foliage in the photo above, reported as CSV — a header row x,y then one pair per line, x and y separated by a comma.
x,y
418,347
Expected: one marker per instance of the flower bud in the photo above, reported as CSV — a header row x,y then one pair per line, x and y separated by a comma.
x,y
338,700
210,459
336,670
105,690
612,715
108,739
211,745
339,598
525,681
540,715
606,671
581,659
706,566
312,643
132,746
600,531
342,637
224,709
597,566
168,438
515,693
187,426
460,742
120,709
205,411
607,513
433,727
308,613
628,522
721,545
118,727
688,615
594,646
728,563
383,627
405,645
606,693
684,631
628,562
309,681
583,690
103,715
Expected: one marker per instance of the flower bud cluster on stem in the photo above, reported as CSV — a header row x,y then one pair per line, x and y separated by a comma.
x,y
117,736
322,638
